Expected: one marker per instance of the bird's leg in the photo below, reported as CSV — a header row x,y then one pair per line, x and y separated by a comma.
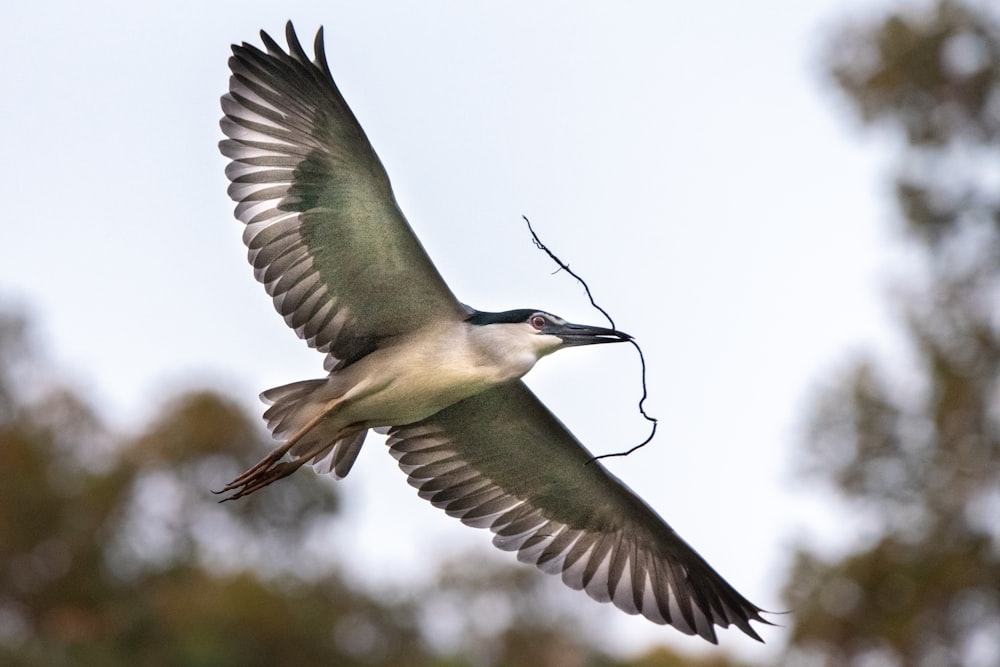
x,y
265,471
273,474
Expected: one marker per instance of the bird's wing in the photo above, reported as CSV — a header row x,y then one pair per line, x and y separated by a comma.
x,y
501,460
324,232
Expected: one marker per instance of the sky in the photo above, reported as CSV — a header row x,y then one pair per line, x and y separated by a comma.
x,y
689,160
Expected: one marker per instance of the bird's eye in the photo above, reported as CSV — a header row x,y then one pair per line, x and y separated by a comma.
x,y
538,322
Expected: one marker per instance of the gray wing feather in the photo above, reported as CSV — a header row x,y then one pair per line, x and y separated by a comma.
x,y
323,230
501,460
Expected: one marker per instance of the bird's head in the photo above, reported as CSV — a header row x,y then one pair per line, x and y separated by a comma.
x,y
540,332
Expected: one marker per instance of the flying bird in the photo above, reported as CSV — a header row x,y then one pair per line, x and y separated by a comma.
x,y
405,357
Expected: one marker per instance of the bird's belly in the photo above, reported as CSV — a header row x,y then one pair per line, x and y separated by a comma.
x,y
414,390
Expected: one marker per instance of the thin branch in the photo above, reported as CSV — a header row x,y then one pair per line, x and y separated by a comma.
x,y
642,360
565,267
642,410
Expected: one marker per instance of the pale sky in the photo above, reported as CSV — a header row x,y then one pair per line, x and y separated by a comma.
x,y
688,159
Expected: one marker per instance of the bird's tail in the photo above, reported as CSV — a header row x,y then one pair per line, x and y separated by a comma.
x,y
293,409
304,416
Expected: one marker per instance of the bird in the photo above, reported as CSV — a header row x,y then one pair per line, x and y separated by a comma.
x,y
406,358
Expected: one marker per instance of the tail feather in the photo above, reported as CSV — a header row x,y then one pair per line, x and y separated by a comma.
x,y
291,407
339,460
286,402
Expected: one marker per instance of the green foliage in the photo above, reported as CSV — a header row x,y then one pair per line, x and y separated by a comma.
x,y
105,554
932,75
917,453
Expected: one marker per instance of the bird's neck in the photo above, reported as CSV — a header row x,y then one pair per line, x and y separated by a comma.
x,y
504,354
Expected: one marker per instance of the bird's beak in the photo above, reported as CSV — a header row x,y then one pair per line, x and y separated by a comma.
x,y
581,334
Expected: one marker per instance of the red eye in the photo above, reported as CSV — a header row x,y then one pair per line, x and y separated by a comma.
x,y
538,322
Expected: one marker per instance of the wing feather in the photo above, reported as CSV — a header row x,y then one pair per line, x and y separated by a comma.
x,y
324,233
501,461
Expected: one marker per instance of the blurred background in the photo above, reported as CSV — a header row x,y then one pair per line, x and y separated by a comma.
x,y
795,208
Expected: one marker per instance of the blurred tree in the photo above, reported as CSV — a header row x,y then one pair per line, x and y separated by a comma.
x,y
112,552
917,455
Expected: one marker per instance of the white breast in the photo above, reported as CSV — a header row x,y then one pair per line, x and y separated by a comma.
x,y
425,372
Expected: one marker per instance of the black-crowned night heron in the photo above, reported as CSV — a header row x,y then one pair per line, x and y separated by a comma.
x,y
404,356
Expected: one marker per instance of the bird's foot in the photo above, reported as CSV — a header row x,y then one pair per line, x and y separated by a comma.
x,y
266,463
256,478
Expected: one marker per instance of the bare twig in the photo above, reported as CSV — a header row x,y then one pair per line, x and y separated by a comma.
x,y
565,267
642,410
642,360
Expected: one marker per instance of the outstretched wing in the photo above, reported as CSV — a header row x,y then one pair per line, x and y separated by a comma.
x,y
324,232
501,460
